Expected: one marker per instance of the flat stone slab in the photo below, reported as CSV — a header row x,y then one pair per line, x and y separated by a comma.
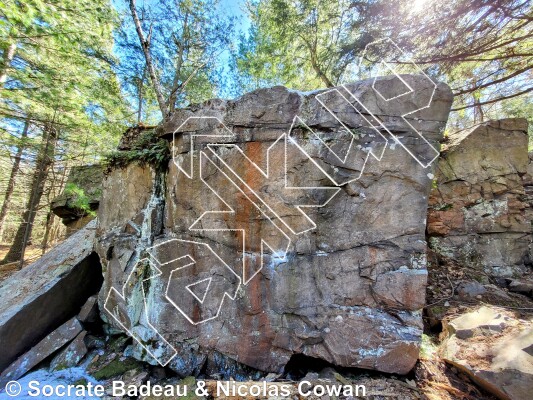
x,y
42,296
89,311
484,320
46,347
71,355
522,286
499,360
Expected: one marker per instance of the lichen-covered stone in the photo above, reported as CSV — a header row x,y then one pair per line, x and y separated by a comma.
x,y
46,347
71,355
352,284
493,348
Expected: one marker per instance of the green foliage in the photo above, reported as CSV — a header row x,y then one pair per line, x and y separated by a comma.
x,y
308,44
428,348
147,149
78,200
187,39
293,42
482,49
442,206
61,72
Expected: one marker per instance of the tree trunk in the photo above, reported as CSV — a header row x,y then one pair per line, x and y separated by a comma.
x,y
50,217
479,116
9,54
55,231
314,63
11,183
145,44
47,229
45,159
140,86
180,44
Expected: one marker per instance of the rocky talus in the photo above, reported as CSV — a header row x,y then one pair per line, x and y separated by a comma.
x,y
42,297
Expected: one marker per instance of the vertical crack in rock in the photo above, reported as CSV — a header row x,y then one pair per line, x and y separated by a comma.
x,y
152,223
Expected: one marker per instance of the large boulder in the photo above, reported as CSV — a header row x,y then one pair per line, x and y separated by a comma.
x,y
478,212
42,296
287,224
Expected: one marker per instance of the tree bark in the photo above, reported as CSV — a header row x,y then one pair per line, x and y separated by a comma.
x,y
9,54
48,228
45,159
145,44
179,62
140,85
478,112
12,177
50,216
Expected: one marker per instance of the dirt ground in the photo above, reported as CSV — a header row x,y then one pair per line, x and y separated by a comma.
x,y
435,378
32,254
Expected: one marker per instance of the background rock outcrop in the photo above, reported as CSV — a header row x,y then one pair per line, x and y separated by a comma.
x,y
77,204
478,211
341,279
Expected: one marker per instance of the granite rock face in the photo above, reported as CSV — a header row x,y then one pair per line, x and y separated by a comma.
x,y
478,212
287,224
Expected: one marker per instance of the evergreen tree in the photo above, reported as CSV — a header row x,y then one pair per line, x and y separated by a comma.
x,y
57,75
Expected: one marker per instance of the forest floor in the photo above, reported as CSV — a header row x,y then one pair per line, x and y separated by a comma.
x,y
32,254
451,293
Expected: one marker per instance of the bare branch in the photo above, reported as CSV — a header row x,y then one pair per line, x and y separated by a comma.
x,y
494,100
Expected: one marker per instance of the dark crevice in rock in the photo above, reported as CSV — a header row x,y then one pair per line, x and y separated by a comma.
x,y
300,364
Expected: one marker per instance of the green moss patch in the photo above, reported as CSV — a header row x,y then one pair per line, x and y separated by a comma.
x,y
116,368
147,149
